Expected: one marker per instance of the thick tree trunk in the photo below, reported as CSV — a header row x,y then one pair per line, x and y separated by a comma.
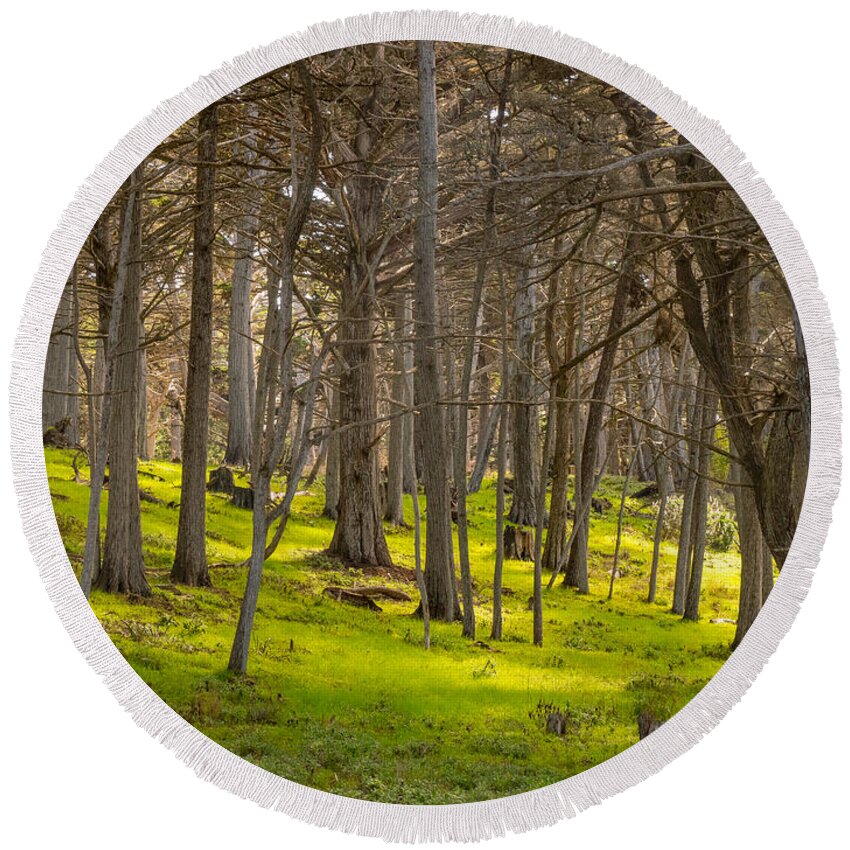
x,y
190,558
430,425
358,535
60,399
109,317
123,568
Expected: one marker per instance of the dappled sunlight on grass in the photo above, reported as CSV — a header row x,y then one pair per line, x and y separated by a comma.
x,y
346,699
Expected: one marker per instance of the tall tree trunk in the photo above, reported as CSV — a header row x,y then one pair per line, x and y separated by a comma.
x,y
524,419
190,558
240,346
556,534
430,425
332,464
358,535
142,402
662,476
123,568
501,469
127,262
396,453
708,420
689,496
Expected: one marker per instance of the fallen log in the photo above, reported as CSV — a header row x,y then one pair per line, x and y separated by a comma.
x,y
381,591
342,594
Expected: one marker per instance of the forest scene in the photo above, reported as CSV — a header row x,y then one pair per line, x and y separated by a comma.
x,y
426,422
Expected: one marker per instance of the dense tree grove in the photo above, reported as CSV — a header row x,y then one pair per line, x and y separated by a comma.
x,y
403,268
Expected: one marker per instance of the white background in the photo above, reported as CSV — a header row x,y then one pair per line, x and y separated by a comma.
x,y
76,77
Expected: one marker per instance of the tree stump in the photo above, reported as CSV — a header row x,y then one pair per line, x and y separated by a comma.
x,y
243,497
519,543
57,436
221,481
556,723
647,723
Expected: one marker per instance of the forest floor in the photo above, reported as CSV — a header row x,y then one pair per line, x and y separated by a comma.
x,y
346,699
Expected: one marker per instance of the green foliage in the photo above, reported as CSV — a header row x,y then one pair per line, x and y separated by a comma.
x,y
721,529
347,700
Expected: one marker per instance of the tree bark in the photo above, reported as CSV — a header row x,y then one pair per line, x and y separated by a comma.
x,y
708,421
190,558
359,535
430,425
332,463
60,399
240,348
396,452
689,497
111,317
123,568
524,414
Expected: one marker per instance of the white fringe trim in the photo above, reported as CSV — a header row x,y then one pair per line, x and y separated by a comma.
x,y
471,821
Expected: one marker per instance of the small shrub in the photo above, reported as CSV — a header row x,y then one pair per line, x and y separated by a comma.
x,y
721,529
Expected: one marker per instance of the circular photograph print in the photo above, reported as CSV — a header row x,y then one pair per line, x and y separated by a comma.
x,y
426,422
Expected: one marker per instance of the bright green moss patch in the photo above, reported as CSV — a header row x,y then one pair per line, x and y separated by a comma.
x,y
346,700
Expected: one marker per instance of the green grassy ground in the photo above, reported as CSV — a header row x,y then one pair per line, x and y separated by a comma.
x,y
347,700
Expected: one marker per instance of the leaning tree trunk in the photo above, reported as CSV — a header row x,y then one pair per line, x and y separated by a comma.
x,y
576,571
123,568
190,558
430,425
274,385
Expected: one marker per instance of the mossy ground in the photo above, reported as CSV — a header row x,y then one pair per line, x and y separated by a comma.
x,y
347,700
